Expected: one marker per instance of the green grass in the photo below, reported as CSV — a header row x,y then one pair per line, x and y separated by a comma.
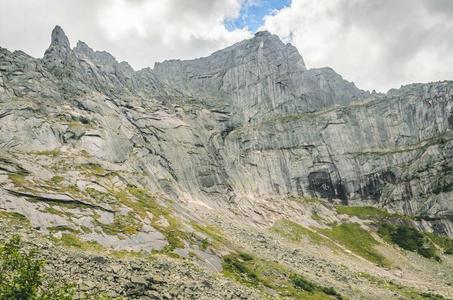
x,y
363,212
305,200
443,242
56,179
357,240
55,184
215,236
62,228
86,229
85,153
302,283
236,267
122,224
422,145
93,169
315,216
142,203
52,210
19,179
14,217
264,275
409,239
431,296
298,233
71,240
99,196
52,153
407,292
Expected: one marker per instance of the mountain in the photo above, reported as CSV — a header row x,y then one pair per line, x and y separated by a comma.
x,y
243,151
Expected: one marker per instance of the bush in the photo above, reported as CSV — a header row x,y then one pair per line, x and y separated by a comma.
x,y
408,238
385,231
245,256
431,296
330,291
442,241
268,275
21,277
236,265
302,283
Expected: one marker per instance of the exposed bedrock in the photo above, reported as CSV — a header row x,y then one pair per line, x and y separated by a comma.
x,y
247,121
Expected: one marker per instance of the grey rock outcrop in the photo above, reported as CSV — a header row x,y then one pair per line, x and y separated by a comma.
x,y
256,78
249,121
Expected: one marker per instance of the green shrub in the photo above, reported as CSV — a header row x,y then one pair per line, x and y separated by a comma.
x,y
56,179
302,283
205,244
21,276
408,238
125,224
331,291
268,275
245,256
444,242
385,231
431,296
235,265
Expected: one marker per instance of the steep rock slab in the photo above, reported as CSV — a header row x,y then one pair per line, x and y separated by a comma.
x,y
248,121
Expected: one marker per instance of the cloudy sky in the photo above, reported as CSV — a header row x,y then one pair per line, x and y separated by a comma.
x,y
378,44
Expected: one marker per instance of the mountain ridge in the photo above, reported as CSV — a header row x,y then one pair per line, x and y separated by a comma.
x,y
241,152
273,85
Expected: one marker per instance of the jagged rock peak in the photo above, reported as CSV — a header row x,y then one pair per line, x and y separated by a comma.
x,y
59,38
59,51
264,34
83,48
273,42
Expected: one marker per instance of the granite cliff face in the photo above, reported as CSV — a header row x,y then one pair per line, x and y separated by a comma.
x,y
249,121
239,140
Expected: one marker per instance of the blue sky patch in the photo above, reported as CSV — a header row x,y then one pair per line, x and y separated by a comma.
x,y
253,12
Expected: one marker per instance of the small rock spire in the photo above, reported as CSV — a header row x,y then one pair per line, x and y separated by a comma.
x,y
59,38
264,33
58,52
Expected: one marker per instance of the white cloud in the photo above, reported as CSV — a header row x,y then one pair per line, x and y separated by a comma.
x,y
376,44
138,31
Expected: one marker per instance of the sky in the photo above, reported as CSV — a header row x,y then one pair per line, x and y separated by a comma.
x,y
377,44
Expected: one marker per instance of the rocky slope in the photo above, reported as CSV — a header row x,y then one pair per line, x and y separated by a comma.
x,y
145,160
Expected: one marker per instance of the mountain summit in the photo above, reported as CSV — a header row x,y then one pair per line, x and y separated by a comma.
x,y
59,38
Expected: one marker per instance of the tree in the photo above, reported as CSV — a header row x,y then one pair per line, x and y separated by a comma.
x,y
21,276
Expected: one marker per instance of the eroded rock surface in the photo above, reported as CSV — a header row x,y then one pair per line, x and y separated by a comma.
x,y
247,122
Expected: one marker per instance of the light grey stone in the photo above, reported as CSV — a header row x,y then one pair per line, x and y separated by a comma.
x,y
247,122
